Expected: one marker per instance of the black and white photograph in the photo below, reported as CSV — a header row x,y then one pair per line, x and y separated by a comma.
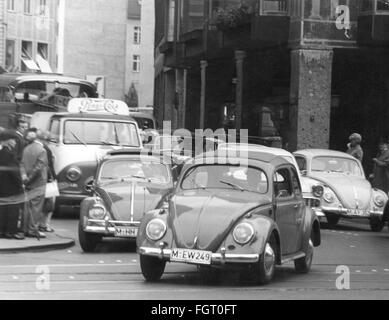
x,y
194,154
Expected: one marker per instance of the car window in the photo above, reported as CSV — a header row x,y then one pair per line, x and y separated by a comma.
x,y
336,165
117,169
101,133
302,163
225,177
282,183
295,183
54,131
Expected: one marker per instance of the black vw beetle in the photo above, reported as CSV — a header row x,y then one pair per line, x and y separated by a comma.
x,y
231,211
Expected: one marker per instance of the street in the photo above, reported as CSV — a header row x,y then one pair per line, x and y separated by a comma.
x,y
113,272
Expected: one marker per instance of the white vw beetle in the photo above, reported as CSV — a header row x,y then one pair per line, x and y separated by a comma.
x,y
345,192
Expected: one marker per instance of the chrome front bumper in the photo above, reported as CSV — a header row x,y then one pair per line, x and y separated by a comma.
x,y
347,213
217,258
108,227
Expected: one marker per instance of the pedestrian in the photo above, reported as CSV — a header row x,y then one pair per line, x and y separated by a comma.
x,y
380,177
49,203
354,147
11,187
34,165
21,128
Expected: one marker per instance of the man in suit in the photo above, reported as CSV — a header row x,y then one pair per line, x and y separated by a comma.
x,y
34,167
21,128
11,187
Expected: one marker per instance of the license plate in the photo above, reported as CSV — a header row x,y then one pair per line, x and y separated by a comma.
x,y
361,213
126,232
191,256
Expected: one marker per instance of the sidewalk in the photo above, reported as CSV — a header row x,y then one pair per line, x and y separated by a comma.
x,y
54,241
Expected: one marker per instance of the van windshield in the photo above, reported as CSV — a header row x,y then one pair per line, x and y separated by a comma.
x,y
101,133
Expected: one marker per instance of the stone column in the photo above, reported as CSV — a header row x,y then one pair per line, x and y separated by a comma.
x,y
181,81
203,66
310,99
239,58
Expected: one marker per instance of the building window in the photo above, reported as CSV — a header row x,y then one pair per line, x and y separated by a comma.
x,y
11,5
136,63
366,6
10,54
274,6
137,35
42,7
382,5
27,6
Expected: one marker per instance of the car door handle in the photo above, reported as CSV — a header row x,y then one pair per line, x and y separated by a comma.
x,y
296,206
299,221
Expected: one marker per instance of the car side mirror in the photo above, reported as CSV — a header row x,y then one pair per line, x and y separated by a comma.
x,y
90,186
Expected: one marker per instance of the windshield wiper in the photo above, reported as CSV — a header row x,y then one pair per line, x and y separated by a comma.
x,y
78,139
235,186
110,143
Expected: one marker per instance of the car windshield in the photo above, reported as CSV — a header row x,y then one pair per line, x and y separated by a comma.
x,y
226,177
337,165
142,169
101,133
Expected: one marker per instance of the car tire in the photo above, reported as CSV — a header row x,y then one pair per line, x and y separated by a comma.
x,y
376,224
152,268
332,219
265,268
88,241
303,265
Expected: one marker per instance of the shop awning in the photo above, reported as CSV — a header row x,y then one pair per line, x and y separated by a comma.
x,y
30,64
43,64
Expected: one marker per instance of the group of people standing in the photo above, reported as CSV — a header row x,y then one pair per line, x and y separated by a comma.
x,y
380,176
26,165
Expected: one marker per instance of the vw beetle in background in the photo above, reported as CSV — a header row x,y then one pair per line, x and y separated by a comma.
x,y
345,192
127,184
231,212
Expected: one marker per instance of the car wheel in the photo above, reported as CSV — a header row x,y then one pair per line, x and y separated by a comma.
x,y
376,224
152,268
332,219
303,265
88,241
266,266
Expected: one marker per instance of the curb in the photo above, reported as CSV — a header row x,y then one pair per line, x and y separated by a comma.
x,y
49,244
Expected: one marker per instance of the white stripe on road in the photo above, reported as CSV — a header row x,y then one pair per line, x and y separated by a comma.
x,y
69,265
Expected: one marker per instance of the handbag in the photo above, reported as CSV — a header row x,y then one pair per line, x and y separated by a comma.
x,y
52,190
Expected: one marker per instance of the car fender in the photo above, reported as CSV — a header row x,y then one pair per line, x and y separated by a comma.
x,y
264,227
86,205
311,229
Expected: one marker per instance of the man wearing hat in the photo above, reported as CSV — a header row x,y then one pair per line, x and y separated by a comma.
x,y
354,147
11,187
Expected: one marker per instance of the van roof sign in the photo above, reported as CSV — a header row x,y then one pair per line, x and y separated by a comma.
x,y
88,105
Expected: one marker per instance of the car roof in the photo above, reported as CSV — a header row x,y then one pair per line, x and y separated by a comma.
x,y
141,114
99,116
323,153
266,157
126,153
7,79
255,148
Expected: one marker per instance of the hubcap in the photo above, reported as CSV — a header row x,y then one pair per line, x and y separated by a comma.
x,y
270,258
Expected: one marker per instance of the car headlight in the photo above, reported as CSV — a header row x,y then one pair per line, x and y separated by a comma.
x,y
243,233
98,212
329,197
74,174
318,191
156,229
379,200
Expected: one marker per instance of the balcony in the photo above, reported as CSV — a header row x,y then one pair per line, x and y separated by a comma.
x,y
373,23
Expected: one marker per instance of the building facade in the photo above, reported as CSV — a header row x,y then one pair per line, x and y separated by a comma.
x,y
310,72
29,35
